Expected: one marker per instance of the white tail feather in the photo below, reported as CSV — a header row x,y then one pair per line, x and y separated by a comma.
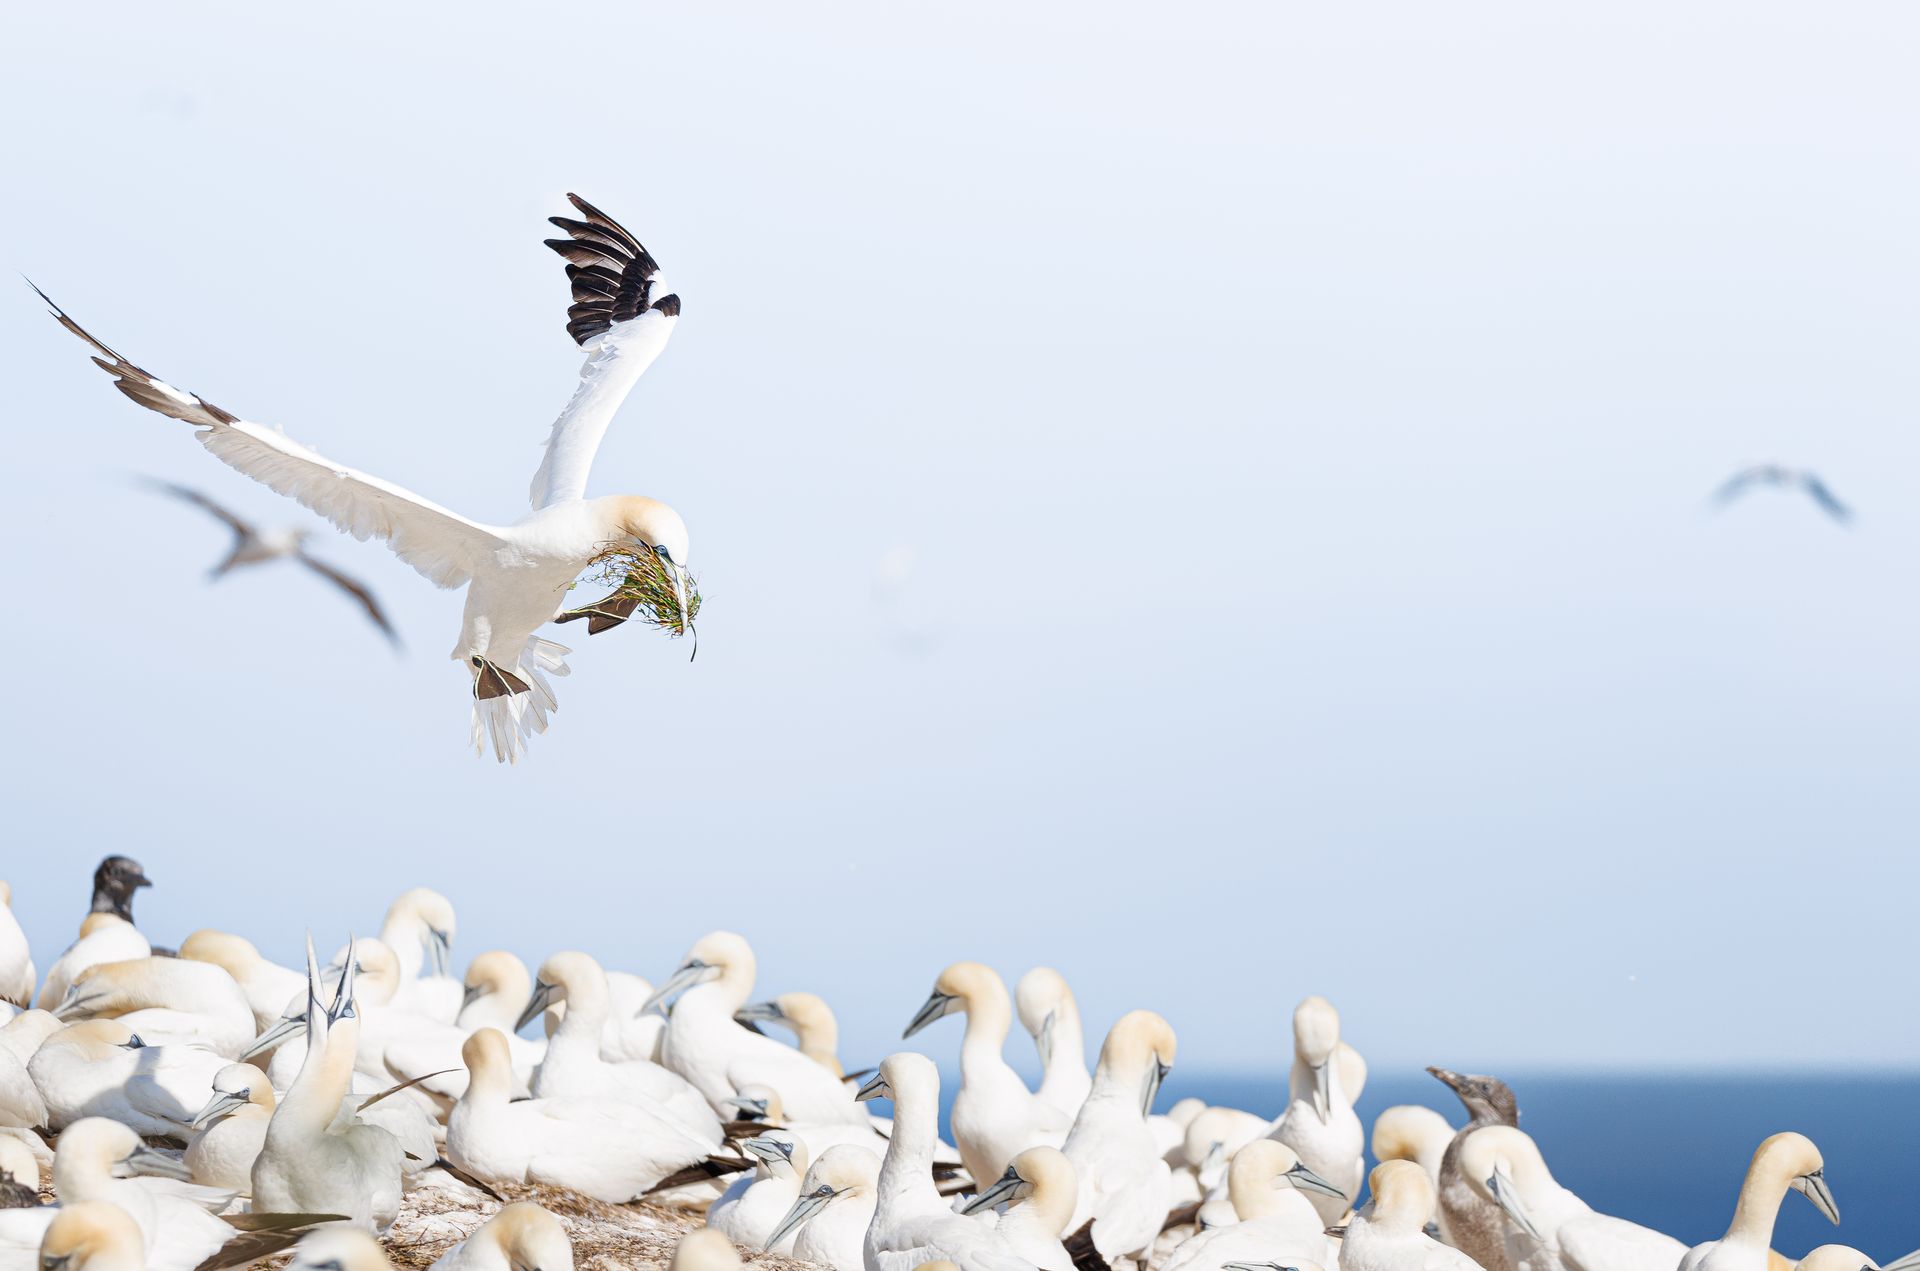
x,y
508,723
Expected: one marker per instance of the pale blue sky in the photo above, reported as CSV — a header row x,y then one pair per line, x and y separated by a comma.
x,y
1301,416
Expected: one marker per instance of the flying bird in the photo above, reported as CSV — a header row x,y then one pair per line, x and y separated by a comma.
x,y
1783,478
516,576
254,546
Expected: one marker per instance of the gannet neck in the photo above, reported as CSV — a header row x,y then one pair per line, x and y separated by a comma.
x,y
95,923
580,982
815,1030
326,1076
93,1236
1777,1162
1403,1197
378,979
1252,1177
489,1068
989,1018
1052,1186
1138,1051
497,987
1049,1012
84,1158
906,1172
411,920
728,983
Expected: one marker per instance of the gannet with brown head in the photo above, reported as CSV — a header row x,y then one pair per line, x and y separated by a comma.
x,y
1049,1013
102,1068
1320,1124
267,985
1550,1228
1126,1184
92,1236
1412,1132
1782,1163
816,1032
16,959
231,1129
168,1001
829,1219
705,1045
520,1237
104,937
339,1249
1468,1221
1039,1190
612,1151
754,1204
178,1232
994,1115
1390,1235
1269,1188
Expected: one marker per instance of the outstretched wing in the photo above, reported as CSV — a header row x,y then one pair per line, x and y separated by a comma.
x,y
1738,484
622,315
201,501
1824,497
357,590
442,545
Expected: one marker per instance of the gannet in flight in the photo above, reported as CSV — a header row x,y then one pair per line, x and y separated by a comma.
x,y
1784,478
255,546
516,575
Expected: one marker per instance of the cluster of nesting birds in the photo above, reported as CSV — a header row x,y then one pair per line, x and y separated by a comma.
x,y
206,1108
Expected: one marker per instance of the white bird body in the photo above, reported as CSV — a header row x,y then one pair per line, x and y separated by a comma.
x,y
1550,1228
1782,1163
1320,1124
754,1204
419,929
267,986
21,1103
1125,1183
1050,1014
1276,1221
233,1129
497,987
93,1069
520,1237
16,959
1390,1235
168,1002
178,1232
103,938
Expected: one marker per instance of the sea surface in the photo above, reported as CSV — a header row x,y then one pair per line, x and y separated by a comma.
x,y
1670,1151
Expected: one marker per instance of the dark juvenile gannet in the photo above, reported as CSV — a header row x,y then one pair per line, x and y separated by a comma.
x,y
1783,478
255,546
1469,1221
115,880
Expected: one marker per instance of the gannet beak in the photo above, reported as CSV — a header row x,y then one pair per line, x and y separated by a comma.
x,y
936,1006
342,1007
875,1087
1008,1184
1212,1163
1338,1233
144,1160
1814,1187
542,997
1303,1179
1908,1263
1503,1191
1256,1266
686,619
217,1107
472,994
759,1010
753,1108
803,1209
288,1025
313,989
1323,1090
694,972
1150,1088
55,1261
70,1005
439,950
1043,1041
768,1149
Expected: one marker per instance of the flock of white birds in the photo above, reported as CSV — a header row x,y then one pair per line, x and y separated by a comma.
x,y
208,1108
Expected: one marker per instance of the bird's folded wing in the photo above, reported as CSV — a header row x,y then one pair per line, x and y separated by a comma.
x,y
442,545
622,315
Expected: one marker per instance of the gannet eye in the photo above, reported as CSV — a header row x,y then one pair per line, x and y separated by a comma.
x,y
823,1190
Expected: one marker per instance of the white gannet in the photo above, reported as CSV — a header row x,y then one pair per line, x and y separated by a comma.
x,y
179,1232
91,1236
704,1044
21,1103
1390,1235
1170,1127
419,928
1039,1190
1126,1184
16,959
1552,1229
497,987
704,1249
1412,1132
634,1025
398,1043
104,937
829,1220
520,1237
255,546
267,986
574,1067
101,1068
994,1115
1781,477
341,1249
612,1151
1268,1187
1845,1258
1320,1124
518,574
754,1205
815,1031
167,1001
1469,1221
1048,1012
1783,1162
1214,1138
911,1223
314,1160
231,1129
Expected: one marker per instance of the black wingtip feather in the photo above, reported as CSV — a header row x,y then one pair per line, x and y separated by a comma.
x,y
611,274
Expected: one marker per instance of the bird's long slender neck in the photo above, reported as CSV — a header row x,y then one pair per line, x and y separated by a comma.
x,y
983,1048
906,1173
586,1016
1068,1055
1758,1207
313,1100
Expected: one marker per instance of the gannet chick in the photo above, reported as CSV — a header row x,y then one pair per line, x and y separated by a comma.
x,y
92,1236
703,1043
704,1249
19,1175
231,1129
1782,1162
1320,1124
179,1233
1412,1132
314,1160
168,1001
21,1104
994,1115
1389,1235
266,985
343,1249
1268,1187
574,1068
911,1223
104,937
16,959
1468,1221
828,1222
521,1237
816,1032
754,1205
1051,1016
1125,1183
102,1068
1039,1190
612,1151
1551,1229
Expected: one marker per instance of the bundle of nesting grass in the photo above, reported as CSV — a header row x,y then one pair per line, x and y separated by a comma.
x,y
643,589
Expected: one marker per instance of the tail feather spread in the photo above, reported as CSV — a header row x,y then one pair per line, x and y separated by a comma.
x,y
509,707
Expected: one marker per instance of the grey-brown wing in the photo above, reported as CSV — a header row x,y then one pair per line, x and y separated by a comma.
x,y
358,591
190,495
